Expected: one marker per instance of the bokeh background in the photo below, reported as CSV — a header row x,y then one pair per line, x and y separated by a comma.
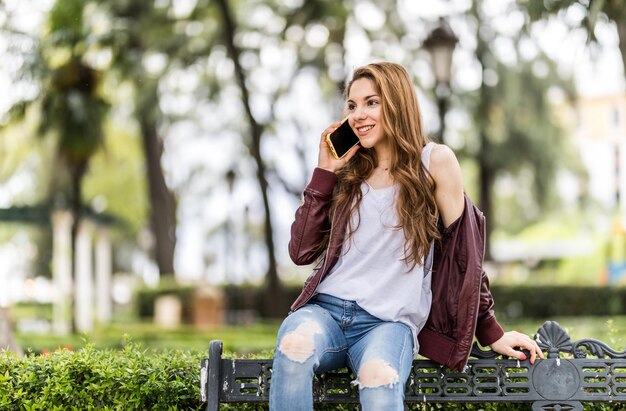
x,y
153,153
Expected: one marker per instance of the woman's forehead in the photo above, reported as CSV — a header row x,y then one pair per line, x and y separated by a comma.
x,y
362,88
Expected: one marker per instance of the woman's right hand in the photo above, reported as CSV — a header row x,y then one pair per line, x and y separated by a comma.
x,y
326,160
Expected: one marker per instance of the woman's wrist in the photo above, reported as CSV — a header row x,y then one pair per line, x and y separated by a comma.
x,y
323,181
327,168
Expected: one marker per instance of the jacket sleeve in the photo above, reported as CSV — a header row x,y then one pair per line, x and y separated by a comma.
x,y
488,330
311,220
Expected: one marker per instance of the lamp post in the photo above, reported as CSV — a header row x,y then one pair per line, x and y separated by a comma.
x,y
440,45
230,243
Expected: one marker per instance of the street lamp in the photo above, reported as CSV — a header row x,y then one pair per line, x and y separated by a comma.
x,y
230,180
440,44
229,253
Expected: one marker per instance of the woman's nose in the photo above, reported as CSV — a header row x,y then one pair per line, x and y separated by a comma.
x,y
359,113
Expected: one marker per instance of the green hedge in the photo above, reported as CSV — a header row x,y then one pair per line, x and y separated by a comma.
x,y
135,379
91,379
512,301
555,301
429,407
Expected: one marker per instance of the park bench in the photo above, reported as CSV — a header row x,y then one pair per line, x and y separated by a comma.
x,y
573,372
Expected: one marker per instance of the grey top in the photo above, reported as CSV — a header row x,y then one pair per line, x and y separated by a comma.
x,y
370,269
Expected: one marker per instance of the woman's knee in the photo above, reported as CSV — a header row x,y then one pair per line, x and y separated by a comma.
x,y
298,344
376,373
380,386
299,335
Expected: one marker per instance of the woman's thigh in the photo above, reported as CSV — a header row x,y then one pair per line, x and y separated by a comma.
x,y
311,334
383,356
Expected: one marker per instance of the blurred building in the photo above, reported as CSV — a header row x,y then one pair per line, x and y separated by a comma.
x,y
597,127
600,137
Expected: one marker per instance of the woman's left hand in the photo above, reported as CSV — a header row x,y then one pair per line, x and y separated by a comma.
x,y
511,340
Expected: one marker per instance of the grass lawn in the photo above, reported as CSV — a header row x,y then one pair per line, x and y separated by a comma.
x,y
611,330
243,339
260,337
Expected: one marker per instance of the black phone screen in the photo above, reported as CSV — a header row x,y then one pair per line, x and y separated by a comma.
x,y
343,139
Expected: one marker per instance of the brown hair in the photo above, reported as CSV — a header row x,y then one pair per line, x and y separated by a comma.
x,y
402,123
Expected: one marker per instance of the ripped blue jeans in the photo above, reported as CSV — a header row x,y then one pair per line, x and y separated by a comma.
x,y
329,333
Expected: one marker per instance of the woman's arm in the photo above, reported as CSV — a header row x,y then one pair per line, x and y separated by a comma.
x,y
311,221
446,171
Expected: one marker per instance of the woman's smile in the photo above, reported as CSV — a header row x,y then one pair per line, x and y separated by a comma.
x,y
364,129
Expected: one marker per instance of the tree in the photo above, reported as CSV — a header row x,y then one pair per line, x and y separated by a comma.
x,y
69,103
140,30
69,106
511,130
515,130
314,58
276,300
595,11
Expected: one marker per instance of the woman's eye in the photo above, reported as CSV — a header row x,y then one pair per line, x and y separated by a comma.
x,y
351,107
373,102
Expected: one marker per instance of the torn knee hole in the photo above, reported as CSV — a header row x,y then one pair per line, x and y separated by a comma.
x,y
376,373
299,345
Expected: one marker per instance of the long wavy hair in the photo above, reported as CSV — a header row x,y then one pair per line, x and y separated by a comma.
x,y
402,124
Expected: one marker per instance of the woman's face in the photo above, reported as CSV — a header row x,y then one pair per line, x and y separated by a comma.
x,y
365,112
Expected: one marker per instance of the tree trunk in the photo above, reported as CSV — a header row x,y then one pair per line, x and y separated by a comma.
x,y
77,172
485,201
486,173
162,201
275,303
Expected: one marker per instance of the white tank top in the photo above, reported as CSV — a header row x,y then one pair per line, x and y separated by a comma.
x,y
370,269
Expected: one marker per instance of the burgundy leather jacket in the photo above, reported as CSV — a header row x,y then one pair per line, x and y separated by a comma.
x,y
462,303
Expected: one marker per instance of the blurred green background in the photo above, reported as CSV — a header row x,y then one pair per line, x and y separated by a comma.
x,y
152,155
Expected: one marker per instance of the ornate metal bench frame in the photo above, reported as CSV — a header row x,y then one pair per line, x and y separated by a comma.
x,y
586,370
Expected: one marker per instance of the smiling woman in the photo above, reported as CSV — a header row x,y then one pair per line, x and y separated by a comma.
x,y
371,220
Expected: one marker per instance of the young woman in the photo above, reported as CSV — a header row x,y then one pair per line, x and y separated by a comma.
x,y
399,252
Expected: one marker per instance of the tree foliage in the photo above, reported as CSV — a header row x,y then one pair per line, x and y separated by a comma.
x,y
515,129
248,61
69,105
593,12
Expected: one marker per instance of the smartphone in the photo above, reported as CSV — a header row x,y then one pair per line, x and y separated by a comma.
x,y
341,140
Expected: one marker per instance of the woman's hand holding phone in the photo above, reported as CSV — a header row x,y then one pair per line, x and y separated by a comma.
x,y
326,160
